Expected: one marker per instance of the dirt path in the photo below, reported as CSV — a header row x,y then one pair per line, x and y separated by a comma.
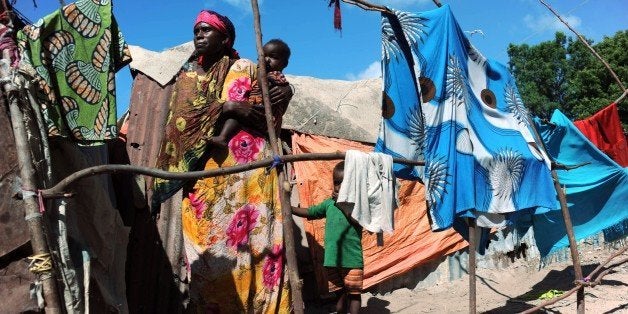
x,y
510,290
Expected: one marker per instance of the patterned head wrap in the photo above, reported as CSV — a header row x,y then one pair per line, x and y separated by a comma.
x,y
220,23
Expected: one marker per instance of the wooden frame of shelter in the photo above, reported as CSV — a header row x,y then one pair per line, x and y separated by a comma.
x,y
33,198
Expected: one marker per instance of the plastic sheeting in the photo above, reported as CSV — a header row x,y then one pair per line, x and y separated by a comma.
x,y
411,244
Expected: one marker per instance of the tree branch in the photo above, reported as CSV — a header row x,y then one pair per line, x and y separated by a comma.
x,y
584,41
59,190
368,6
580,284
621,98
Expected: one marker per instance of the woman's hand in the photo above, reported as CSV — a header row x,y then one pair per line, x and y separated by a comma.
x,y
280,94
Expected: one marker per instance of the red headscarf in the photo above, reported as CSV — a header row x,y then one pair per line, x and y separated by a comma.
x,y
220,23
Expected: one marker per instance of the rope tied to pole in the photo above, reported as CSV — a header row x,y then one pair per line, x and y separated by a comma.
x,y
40,263
40,197
277,162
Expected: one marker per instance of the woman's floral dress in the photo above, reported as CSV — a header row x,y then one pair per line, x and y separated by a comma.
x,y
232,225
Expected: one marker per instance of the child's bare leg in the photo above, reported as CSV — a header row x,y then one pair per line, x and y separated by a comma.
x,y
341,304
229,128
355,303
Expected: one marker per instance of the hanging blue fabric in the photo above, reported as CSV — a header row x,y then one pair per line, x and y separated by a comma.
x,y
445,103
597,193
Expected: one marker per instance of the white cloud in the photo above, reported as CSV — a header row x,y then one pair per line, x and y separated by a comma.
x,y
548,22
372,71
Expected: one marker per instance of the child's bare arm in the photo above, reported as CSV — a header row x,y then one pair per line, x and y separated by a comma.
x,y
300,211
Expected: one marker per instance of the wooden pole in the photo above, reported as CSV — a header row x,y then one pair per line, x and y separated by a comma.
x,y
473,243
33,217
573,245
584,41
284,194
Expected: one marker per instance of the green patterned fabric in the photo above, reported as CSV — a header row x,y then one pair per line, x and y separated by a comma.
x,y
74,53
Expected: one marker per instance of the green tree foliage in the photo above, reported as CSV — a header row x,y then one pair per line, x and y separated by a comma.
x,y
564,74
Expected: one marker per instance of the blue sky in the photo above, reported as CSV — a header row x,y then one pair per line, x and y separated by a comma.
x,y
319,50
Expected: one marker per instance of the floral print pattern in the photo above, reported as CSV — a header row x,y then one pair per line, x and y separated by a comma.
x,y
245,147
241,225
232,227
198,205
240,89
273,266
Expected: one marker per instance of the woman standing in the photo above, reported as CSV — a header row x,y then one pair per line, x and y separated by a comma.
x,y
232,225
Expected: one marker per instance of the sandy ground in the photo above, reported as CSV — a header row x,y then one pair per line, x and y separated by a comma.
x,y
510,290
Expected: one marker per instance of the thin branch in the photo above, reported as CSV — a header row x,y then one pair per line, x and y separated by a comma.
x,y
437,3
368,6
598,279
59,190
580,284
584,41
621,98
608,260
552,301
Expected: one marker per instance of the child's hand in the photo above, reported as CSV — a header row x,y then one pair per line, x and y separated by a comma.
x,y
280,94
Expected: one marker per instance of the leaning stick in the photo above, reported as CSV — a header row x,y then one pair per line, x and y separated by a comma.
x,y
608,260
621,98
584,41
298,306
580,284
562,198
34,218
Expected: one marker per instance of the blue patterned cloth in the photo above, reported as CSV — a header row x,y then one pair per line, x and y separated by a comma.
x,y
445,103
597,193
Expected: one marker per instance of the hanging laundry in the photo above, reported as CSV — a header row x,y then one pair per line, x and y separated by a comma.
x,y
446,104
411,244
605,131
74,53
368,190
597,193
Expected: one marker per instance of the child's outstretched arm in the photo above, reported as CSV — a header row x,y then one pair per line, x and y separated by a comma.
x,y
300,211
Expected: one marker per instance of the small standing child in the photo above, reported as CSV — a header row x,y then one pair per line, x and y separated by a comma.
x,y
277,55
343,248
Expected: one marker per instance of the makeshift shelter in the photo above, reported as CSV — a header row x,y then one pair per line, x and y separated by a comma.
x,y
154,251
85,243
320,110
323,116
